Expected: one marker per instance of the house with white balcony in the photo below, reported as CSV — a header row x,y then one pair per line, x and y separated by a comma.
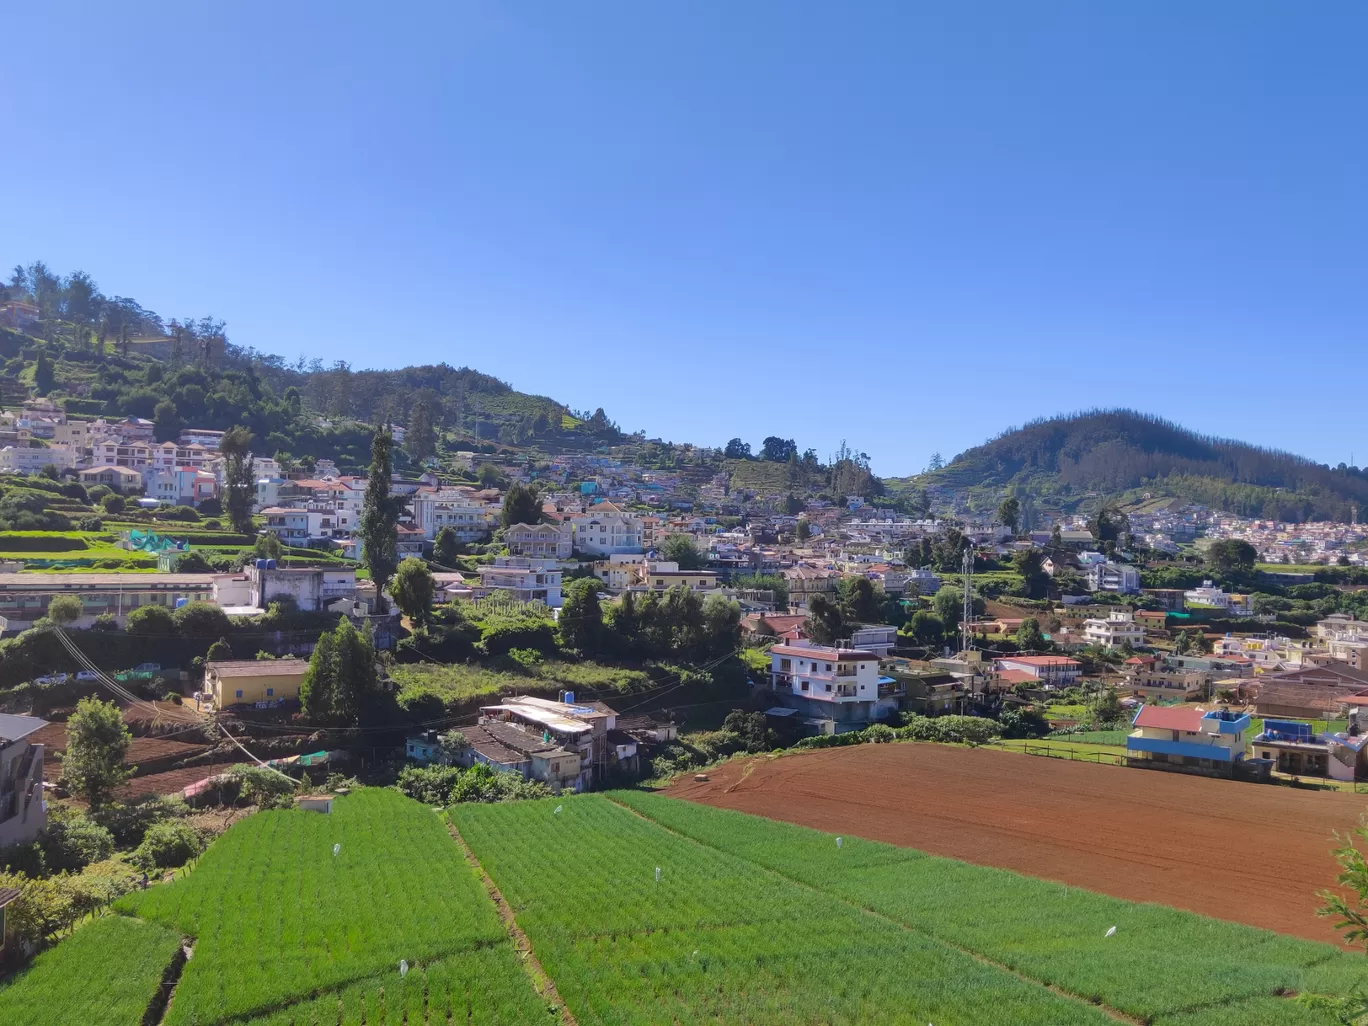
x,y
115,452
1053,671
830,690
24,460
1188,736
605,530
1120,578
522,578
472,519
550,541
1210,595
1119,628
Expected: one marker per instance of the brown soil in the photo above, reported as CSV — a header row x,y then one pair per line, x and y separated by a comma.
x,y
1248,852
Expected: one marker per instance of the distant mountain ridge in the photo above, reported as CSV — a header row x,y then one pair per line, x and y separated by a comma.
x,y
1114,452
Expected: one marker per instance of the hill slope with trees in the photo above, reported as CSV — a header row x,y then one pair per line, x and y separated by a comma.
x,y
1113,452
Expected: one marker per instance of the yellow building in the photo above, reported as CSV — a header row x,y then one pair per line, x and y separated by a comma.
x,y
249,681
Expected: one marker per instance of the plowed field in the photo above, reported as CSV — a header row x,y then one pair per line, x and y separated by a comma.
x,y
1250,853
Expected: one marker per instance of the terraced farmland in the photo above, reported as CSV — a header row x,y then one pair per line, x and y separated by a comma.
x,y
106,972
280,921
1162,965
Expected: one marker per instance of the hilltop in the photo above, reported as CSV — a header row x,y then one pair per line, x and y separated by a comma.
x,y
1121,454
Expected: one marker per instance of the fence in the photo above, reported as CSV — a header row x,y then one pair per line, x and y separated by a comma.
x,y
1072,754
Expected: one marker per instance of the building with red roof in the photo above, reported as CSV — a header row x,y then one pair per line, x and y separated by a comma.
x,y
1056,671
1188,736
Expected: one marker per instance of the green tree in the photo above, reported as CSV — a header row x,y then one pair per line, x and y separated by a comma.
x,y
267,546
778,450
581,618
447,548
341,675
1105,706
520,506
113,503
380,515
926,628
201,620
413,589
737,450
1029,637
1009,513
824,623
44,374
1231,556
949,606
452,744
860,601
150,621
1349,909
166,421
682,549
65,609
97,741
239,483
804,530
219,651
420,440
947,550
1030,564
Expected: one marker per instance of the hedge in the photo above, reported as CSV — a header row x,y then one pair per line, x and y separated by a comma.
x,y
39,541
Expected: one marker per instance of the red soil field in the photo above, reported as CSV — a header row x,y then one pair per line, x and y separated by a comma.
x,y
1252,853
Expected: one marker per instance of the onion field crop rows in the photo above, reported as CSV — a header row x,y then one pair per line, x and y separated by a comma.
x,y
107,971
483,986
277,917
1162,965
718,939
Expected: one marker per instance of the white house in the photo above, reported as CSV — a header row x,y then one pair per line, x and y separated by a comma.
x,y
1114,577
1058,671
527,580
832,690
1119,628
470,519
1210,595
30,461
603,532
553,541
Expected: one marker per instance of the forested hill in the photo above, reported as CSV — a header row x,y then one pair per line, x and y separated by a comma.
x,y
1116,451
110,356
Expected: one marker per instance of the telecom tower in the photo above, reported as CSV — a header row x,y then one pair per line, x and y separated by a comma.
x,y
966,631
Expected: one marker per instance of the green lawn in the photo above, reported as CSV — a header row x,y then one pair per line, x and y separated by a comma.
x,y
454,683
1064,746
1094,737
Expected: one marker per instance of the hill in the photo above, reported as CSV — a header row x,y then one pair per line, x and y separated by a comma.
x,y
1120,454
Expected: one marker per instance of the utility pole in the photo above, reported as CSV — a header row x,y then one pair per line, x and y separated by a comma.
x,y
966,631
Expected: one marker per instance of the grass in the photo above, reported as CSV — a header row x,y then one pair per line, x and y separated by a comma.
x,y
107,971
1067,711
1163,965
453,684
1062,745
719,939
1094,737
279,920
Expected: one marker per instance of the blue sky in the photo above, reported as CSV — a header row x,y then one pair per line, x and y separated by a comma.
x,y
903,224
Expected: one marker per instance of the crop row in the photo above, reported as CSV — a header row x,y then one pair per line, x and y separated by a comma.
x,y
277,916
486,987
106,972
719,939
1161,965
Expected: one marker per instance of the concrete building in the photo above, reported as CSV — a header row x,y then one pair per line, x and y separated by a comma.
x,y
583,729
605,530
313,589
124,480
548,541
23,813
1119,578
1055,671
527,580
1119,628
1188,736
253,681
24,597
25,460
829,690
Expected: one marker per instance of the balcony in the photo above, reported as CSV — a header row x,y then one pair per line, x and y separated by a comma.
x,y
1191,749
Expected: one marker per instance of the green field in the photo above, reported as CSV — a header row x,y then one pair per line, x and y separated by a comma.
x,y
106,972
719,939
1162,966
1115,738
279,921
454,683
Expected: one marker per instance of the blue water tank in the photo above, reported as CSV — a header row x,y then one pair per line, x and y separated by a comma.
x,y
261,564
569,698
270,564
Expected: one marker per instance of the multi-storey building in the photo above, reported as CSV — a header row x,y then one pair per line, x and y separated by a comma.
x,y
831,690
605,530
551,541
527,580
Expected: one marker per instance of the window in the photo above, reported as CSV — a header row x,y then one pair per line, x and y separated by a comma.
x,y
828,687
270,692
804,686
239,692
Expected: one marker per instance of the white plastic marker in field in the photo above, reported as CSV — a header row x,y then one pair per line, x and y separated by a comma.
x,y
657,875
838,842
403,968
557,812
1111,931
337,850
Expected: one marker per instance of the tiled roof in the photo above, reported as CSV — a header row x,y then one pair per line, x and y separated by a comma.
x,y
1171,717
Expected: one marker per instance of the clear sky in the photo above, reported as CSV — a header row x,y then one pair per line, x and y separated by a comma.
x,y
908,225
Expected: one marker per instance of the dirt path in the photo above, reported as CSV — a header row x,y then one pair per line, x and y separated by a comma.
x,y
1246,852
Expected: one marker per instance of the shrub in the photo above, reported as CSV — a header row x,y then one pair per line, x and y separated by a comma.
x,y
501,636
74,842
112,503
964,730
153,621
166,845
